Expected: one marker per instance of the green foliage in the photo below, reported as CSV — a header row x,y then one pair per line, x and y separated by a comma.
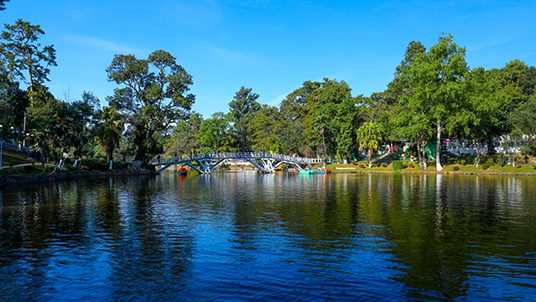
x,y
500,159
20,52
369,137
242,110
398,165
153,94
265,129
523,117
184,138
108,130
215,134
489,162
13,103
59,127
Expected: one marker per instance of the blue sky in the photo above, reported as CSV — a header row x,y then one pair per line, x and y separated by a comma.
x,y
270,46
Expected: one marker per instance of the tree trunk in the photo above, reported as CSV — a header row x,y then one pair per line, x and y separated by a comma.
x,y
419,155
370,158
439,168
26,109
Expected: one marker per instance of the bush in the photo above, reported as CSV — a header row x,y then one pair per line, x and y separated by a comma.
x,y
500,159
398,165
384,165
456,168
489,162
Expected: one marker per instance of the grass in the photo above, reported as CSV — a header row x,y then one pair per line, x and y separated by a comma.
x,y
10,158
451,169
35,169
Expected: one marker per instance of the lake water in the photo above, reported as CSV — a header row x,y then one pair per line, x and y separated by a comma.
x,y
245,236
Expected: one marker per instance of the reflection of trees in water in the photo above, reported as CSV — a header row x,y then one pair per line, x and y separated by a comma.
x,y
33,220
151,256
443,231
75,228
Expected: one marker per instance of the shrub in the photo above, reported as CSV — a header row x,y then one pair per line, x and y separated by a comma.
x,y
462,162
398,165
384,165
456,168
489,162
500,160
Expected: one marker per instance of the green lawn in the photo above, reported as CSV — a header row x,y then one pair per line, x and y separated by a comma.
x,y
13,158
454,168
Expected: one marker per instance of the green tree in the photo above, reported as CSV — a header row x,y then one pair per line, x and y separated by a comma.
x,y
13,102
215,134
23,55
333,113
436,80
184,137
152,96
523,118
296,119
370,136
485,115
265,129
242,110
108,130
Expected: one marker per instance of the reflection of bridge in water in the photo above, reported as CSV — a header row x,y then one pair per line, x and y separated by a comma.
x,y
205,163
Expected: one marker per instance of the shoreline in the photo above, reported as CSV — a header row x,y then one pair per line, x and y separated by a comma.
x,y
479,173
22,179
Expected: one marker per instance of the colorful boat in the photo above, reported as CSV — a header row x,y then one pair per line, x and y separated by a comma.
x,y
182,171
323,170
307,172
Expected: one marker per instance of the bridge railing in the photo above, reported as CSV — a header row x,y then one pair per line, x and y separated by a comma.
x,y
236,155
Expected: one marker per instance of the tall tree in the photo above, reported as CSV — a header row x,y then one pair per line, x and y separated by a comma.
x,y
265,128
215,134
183,139
13,102
23,55
436,79
296,118
108,130
333,113
153,95
370,136
242,110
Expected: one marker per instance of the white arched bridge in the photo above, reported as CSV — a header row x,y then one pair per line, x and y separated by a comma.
x,y
205,163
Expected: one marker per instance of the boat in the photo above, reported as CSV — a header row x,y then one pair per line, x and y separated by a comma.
x,y
323,170
307,172
182,171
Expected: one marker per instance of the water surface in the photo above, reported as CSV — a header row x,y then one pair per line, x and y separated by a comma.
x,y
237,236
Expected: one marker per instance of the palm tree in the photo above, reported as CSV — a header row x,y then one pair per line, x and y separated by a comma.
x,y
369,136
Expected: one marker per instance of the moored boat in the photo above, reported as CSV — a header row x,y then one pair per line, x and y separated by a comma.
x,y
307,172
323,170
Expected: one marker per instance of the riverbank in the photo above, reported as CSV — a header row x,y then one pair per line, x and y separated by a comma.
x,y
522,169
31,178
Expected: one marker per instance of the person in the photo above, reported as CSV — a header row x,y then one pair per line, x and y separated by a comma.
x,y
158,158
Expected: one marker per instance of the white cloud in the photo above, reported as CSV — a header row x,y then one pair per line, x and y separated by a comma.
x,y
99,43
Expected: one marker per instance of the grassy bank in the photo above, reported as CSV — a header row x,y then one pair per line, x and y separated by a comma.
x,y
411,168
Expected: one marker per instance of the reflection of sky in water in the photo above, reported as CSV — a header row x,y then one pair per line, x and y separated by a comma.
x,y
244,235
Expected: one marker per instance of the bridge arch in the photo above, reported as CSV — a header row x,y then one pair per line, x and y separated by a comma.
x,y
205,163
